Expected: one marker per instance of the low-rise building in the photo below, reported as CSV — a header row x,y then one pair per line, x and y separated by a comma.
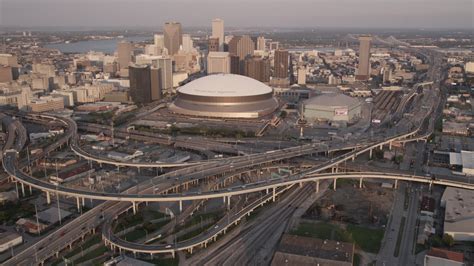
x,y
453,128
299,250
458,219
46,104
30,226
443,257
8,196
464,159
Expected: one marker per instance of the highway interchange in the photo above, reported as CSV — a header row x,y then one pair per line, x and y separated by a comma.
x,y
166,187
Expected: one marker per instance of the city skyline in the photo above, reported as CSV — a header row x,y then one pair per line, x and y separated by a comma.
x,y
305,14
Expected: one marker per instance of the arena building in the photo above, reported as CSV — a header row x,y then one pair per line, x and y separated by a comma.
x,y
332,107
224,96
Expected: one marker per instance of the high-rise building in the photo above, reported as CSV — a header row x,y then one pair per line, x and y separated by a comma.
x,y
187,45
159,41
145,83
218,62
213,44
241,46
235,64
166,67
363,71
156,83
218,32
172,39
257,68
124,51
281,64
261,43
302,75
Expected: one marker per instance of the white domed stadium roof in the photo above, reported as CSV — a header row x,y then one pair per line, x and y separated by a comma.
x,y
225,85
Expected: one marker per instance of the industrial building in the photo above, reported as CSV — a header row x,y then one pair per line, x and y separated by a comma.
x,y
464,159
300,250
225,95
458,219
332,107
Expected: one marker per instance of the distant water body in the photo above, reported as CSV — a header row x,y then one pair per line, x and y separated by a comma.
x,y
106,46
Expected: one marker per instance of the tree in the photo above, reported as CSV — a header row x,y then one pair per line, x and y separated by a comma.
x,y
448,240
436,241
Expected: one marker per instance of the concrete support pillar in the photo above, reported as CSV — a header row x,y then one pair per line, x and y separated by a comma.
x,y
180,206
381,146
78,204
83,202
360,182
431,185
48,197
228,202
31,190
317,186
274,194
390,145
334,184
396,183
353,157
370,154
23,189
134,206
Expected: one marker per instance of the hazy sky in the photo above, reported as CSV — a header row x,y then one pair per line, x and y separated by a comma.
x,y
240,13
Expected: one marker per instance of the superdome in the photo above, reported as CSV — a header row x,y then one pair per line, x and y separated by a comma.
x,y
225,95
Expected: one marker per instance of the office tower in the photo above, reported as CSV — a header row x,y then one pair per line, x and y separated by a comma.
x,y
159,41
124,51
156,83
302,75
140,83
218,62
172,38
218,32
363,71
213,44
187,45
235,64
281,64
166,67
257,68
241,46
145,83
261,43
